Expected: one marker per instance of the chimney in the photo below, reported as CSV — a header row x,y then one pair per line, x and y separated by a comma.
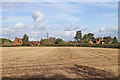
x,y
99,40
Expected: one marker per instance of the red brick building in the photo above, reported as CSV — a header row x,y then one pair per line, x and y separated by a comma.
x,y
18,41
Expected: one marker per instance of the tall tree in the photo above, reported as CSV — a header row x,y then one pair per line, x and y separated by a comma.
x,y
25,40
115,40
78,35
89,36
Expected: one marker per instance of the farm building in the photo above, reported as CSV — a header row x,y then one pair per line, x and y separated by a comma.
x,y
18,41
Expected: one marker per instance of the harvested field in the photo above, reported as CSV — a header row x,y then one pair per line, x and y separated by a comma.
x,y
63,62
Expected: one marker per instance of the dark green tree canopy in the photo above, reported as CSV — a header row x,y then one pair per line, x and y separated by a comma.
x,y
115,40
58,40
78,35
107,39
25,40
89,36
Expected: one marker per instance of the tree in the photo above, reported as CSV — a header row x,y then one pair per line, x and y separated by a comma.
x,y
107,39
58,40
69,43
89,36
5,40
85,36
45,42
52,40
78,35
25,40
86,41
62,43
115,40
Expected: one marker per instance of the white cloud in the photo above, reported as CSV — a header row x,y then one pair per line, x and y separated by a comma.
x,y
67,35
15,19
40,26
66,17
38,16
19,26
74,27
107,29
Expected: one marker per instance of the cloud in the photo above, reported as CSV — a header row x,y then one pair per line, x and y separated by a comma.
x,y
74,27
15,19
67,35
40,26
107,29
38,16
66,17
19,26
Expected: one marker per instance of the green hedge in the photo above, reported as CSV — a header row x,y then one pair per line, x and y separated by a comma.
x,y
77,45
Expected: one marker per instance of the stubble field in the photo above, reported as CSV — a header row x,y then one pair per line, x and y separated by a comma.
x,y
60,62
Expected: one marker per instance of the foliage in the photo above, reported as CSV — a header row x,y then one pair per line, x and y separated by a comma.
x,y
45,42
62,43
89,36
25,40
115,40
5,40
2,40
86,41
78,35
52,40
79,41
107,39
69,43
58,40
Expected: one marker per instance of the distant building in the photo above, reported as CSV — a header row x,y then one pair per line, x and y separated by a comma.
x,y
91,42
34,43
7,43
98,40
18,41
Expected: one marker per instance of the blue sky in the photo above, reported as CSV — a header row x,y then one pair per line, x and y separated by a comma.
x,y
59,19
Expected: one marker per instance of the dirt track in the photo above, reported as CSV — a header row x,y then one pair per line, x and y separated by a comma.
x,y
67,62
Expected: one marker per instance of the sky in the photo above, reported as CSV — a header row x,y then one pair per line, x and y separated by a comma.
x,y
59,19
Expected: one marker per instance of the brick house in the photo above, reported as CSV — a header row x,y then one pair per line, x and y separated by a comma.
x,y
91,42
18,41
98,40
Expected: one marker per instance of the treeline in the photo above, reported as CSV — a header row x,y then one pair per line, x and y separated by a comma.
x,y
80,41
